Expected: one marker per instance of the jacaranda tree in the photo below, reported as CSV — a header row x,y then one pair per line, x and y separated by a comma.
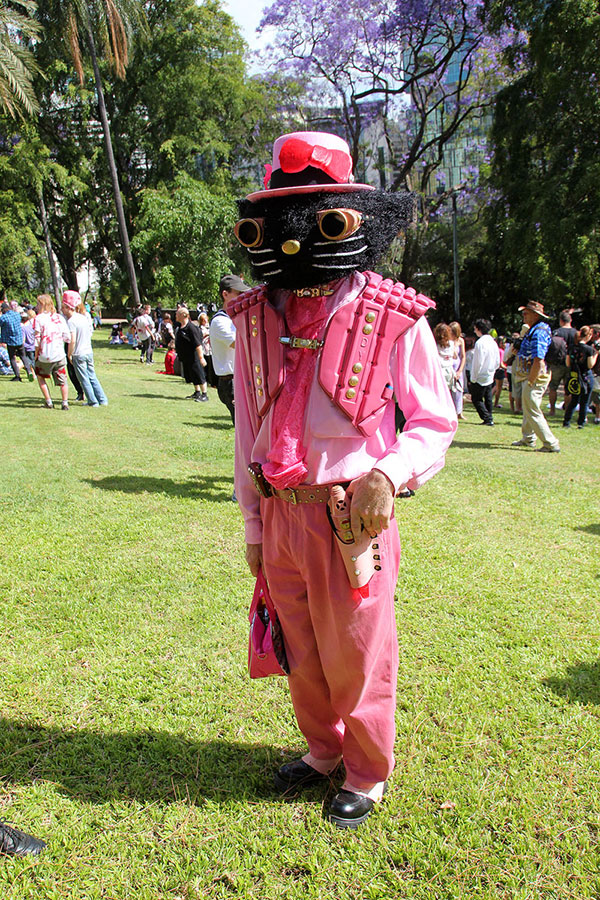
x,y
425,70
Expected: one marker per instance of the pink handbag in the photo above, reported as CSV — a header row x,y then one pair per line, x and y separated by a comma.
x,y
266,650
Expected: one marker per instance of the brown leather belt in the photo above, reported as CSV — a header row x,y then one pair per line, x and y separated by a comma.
x,y
305,493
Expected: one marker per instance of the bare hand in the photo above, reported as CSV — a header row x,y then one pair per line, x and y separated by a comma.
x,y
254,557
371,503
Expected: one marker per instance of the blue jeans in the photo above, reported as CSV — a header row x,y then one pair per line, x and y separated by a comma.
x,y
84,366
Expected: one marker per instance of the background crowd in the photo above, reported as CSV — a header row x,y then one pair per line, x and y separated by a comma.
x,y
56,346
39,342
535,362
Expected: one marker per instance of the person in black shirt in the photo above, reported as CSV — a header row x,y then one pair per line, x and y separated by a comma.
x,y
188,344
558,370
581,359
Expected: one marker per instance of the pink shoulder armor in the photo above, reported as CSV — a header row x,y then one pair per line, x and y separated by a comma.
x,y
354,365
260,328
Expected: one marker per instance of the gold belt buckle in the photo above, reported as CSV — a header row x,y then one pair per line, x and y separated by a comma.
x,y
293,499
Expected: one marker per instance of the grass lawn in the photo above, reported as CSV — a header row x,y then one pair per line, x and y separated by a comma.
x,y
133,741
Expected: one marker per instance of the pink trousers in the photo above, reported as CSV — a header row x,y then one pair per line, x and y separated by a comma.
x,y
343,658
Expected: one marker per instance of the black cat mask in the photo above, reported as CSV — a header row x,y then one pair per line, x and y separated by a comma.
x,y
313,225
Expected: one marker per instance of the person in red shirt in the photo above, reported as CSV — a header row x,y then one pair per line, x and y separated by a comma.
x,y
170,357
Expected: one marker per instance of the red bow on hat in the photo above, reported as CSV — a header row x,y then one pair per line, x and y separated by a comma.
x,y
296,155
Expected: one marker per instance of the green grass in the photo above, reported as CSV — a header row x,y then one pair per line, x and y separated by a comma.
x,y
134,742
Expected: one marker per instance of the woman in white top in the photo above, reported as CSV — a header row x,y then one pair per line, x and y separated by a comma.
x,y
51,333
446,351
460,359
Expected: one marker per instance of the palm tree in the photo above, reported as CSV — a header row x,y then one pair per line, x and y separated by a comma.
x,y
109,22
18,27
17,67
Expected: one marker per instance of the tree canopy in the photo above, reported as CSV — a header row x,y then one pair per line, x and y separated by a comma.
x,y
546,155
413,85
186,105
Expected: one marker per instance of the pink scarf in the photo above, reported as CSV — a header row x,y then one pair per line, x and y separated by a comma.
x,y
285,467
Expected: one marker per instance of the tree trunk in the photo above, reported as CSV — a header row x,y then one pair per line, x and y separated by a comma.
x,y
411,252
49,251
113,174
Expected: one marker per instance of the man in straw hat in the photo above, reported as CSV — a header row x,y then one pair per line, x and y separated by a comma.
x,y
322,349
531,370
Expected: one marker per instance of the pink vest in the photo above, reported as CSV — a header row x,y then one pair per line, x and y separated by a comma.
x,y
354,363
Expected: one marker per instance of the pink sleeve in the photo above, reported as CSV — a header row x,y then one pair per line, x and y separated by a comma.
x,y
425,400
247,495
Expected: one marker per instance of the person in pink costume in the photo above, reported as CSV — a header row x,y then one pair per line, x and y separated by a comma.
x,y
324,350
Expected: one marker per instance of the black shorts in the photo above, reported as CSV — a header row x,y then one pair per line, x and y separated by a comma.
x,y
194,373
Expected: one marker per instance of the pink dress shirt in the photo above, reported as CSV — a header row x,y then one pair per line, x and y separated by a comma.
x,y
335,451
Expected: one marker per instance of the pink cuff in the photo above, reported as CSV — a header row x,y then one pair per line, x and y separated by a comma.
x,y
324,766
375,792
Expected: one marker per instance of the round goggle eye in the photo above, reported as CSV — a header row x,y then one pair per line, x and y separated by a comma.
x,y
337,224
249,232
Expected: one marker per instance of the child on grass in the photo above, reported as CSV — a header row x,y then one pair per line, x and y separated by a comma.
x,y
170,357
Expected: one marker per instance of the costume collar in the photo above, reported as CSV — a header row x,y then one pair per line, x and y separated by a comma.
x,y
319,290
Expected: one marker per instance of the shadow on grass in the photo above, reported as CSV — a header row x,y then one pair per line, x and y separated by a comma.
x,y
128,362
29,402
159,397
581,684
148,766
475,445
212,423
201,487
590,529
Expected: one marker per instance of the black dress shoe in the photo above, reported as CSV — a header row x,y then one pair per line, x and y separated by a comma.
x,y
349,810
17,843
296,775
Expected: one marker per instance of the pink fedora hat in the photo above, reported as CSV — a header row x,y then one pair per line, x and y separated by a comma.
x,y
305,162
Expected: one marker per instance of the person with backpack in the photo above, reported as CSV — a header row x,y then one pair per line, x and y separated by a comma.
x,y
581,359
530,369
556,357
